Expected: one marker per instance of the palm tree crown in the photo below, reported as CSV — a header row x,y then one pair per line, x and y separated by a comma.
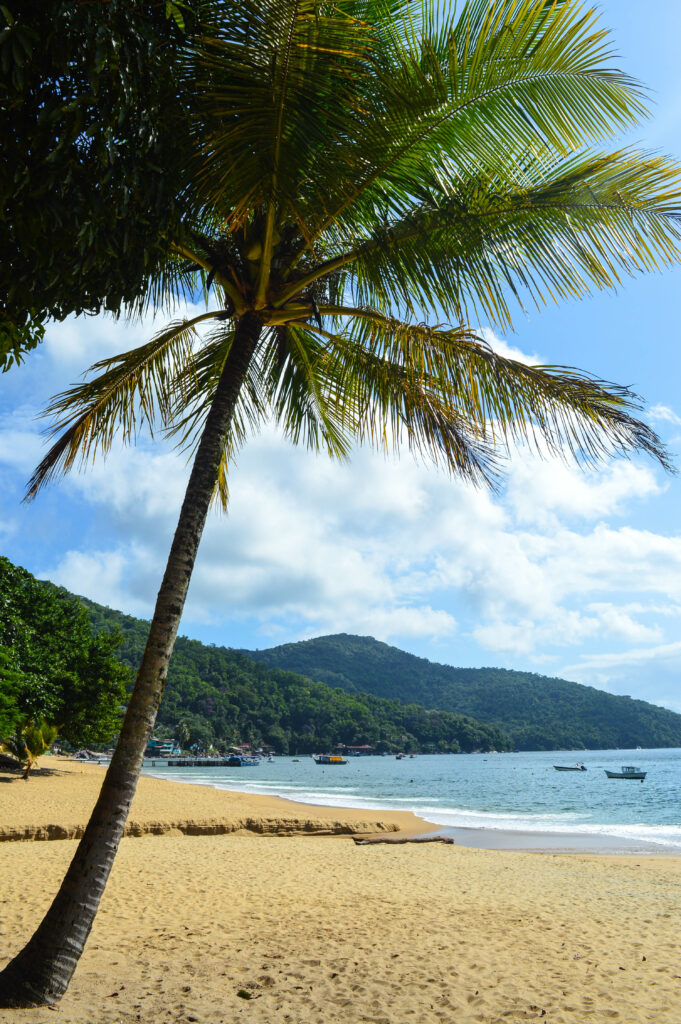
x,y
363,167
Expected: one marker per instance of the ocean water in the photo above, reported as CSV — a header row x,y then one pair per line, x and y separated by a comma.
x,y
519,792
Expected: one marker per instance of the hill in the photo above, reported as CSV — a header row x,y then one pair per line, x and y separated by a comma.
x,y
216,695
538,712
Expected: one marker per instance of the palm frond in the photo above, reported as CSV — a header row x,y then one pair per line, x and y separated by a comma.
x,y
192,396
493,76
386,404
298,392
282,383
135,388
501,401
522,230
274,77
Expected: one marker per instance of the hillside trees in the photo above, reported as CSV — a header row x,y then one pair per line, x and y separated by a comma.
x,y
217,695
537,712
53,666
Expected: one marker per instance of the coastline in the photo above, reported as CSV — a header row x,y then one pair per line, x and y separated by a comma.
x,y
473,837
314,928
217,810
592,843
155,811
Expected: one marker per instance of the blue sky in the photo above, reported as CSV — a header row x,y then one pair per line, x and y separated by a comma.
x,y
565,572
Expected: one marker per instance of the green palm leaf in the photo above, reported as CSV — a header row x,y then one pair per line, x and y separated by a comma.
x,y
135,388
501,400
493,77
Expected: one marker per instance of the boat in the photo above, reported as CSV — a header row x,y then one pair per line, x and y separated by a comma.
x,y
328,759
628,772
241,761
570,767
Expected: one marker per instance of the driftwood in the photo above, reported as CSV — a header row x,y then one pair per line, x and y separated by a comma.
x,y
366,840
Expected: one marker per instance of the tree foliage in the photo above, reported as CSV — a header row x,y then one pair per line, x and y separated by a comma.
x,y
52,665
11,684
94,136
363,167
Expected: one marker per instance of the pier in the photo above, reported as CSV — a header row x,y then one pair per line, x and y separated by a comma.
x,y
203,762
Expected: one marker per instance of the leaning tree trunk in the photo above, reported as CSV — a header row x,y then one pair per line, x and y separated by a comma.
x,y
41,972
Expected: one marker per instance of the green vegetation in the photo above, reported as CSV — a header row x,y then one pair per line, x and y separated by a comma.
x,y
93,137
11,683
217,696
29,741
537,712
53,666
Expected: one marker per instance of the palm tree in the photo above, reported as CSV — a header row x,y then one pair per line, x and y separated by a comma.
x,y
372,176
29,741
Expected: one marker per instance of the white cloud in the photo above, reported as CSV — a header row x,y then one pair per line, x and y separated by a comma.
x,y
663,414
649,673
20,449
386,547
75,344
542,489
508,351
108,577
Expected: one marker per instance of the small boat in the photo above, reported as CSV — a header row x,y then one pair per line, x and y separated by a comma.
x,y
570,767
241,761
628,772
328,759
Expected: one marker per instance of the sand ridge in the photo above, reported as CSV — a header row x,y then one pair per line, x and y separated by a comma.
x,y
56,801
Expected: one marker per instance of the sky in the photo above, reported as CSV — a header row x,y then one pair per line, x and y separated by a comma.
x,y
565,572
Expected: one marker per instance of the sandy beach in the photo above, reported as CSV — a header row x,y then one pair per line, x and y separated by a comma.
x,y
216,894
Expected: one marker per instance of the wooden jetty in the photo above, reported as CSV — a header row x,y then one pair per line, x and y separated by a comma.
x,y
202,762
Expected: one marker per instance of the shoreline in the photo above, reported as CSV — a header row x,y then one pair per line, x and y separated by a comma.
x,y
63,792
220,810
478,838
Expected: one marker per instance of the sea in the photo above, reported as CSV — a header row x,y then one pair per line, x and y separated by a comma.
x,y
512,800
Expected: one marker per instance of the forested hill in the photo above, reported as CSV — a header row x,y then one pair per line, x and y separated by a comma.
x,y
538,712
215,695
337,689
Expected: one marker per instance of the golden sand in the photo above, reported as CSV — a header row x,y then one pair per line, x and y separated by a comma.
x,y
316,929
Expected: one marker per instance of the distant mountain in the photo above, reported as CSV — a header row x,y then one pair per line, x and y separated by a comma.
x,y
537,712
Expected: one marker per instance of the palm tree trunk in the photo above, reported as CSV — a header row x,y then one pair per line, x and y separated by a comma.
x,y
41,972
